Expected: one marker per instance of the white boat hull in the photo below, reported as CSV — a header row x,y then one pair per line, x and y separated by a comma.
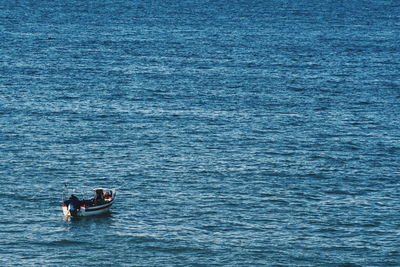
x,y
89,211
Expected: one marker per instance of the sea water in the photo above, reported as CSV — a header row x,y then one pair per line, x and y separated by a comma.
x,y
237,133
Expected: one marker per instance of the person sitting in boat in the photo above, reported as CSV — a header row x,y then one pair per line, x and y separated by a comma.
x,y
107,196
72,199
99,198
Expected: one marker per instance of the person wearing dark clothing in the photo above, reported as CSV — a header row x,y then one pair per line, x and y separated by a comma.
x,y
73,204
99,199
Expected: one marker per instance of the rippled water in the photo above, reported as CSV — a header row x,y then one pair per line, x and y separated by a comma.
x,y
237,133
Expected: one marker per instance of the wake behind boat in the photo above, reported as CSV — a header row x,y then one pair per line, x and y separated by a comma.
x,y
99,204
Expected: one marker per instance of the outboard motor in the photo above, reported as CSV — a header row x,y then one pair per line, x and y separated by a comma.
x,y
73,205
73,208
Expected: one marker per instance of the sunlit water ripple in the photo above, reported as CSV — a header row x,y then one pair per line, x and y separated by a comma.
x,y
237,133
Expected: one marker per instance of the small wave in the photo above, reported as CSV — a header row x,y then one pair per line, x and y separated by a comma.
x,y
141,239
361,103
349,264
337,192
67,98
60,243
177,249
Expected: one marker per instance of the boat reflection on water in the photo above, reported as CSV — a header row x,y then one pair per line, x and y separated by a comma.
x,y
104,217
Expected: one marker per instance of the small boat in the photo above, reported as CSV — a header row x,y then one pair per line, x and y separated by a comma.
x,y
99,204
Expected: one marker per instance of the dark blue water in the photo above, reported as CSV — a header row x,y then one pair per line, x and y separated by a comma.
x,y
237,133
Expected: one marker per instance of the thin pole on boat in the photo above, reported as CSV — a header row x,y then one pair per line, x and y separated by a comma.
x,y
65,190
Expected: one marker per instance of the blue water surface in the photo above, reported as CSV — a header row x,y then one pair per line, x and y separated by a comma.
x,y
237,133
